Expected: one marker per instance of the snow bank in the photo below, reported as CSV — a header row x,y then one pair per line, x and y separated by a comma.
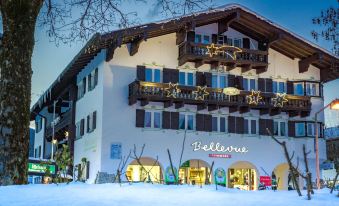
x,y
148,194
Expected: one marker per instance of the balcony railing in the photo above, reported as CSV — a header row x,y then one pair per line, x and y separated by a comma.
x,y
62,122
191,52
149,91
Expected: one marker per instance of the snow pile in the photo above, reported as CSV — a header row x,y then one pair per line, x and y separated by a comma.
x,y
148,194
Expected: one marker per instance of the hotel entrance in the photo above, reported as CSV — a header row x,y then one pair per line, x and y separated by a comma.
x,y
150,171
195,172
242,175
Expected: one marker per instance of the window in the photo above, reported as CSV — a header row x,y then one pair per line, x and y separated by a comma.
x,y
219,124
250,126
312,89
39,154
219,81
91,122
237,43
229,41
186,121
310,130
299,89
77,130
279,87
300,129
38,124
152,75
206,39
186,78
249,84
82,88
280,128
152,119
197,38
93,79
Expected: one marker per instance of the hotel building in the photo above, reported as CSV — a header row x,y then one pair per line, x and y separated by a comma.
x,y
212,81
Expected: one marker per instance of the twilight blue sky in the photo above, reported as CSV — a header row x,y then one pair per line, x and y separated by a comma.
x,y
295,15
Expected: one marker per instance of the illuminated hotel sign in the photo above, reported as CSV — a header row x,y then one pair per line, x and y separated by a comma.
x,y
41,168
217,147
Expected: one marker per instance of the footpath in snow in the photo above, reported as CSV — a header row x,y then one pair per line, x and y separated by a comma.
x,y
147,194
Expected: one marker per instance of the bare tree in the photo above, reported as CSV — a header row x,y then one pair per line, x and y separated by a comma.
x,y
308,176
121,167
289,158
65,21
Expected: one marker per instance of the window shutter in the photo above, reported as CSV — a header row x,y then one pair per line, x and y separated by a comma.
x,y
175,120
225,39
199,119
214,38
246,43
190,36
321,89
231,124
141,73
240,125
166,75
174,75
94,120
238,82
231,79
82,127
269,85
96,73
291,129
208,79
84,86
200,79
208,123
262,126
261,84
166,120
89,82
269,125
88,119
140,118
290,87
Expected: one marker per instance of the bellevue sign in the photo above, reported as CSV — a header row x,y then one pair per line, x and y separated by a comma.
x,y
217,147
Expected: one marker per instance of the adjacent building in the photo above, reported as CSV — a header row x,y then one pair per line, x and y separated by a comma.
x,y
202,88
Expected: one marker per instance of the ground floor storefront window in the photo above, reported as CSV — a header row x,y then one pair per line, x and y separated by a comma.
x,y
148,171
195,172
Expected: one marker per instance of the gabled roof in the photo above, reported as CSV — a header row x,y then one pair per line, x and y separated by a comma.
x,y
248,22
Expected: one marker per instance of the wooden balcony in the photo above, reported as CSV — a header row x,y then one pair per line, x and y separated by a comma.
x,y
63,122
147,92
229,56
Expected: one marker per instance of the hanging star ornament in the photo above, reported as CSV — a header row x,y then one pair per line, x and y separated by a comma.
x,y
279,100
172,90
254,97
200,93
212,50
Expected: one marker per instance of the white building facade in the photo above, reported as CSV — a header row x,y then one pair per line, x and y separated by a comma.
x,y
126,105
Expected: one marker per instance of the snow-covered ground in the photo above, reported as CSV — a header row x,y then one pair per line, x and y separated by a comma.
x,y
147,194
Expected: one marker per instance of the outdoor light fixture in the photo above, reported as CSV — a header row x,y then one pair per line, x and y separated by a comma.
x,y
335,106
54,141
66,134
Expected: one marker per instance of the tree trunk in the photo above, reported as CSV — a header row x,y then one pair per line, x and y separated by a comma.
x,y
19,21
334,181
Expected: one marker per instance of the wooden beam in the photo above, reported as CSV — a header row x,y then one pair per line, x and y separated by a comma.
x,y
244,109
305,63
144,102
180,36
264,111
133,46
260,69
245,68
293,113
168,104
212,107
274,111
305,113
201,106
276,37
198,63
110,52
233,109
224,23
179,105
215,64
230,66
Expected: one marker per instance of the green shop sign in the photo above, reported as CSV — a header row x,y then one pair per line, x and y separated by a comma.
x,y
40,168
220,176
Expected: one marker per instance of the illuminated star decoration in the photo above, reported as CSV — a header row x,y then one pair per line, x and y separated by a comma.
x,y
279,99
200,93
254,97
172,90
212,50
215,50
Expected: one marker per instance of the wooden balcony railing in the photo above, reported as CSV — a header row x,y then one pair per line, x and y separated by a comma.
x,y
149,91
64,120
192,52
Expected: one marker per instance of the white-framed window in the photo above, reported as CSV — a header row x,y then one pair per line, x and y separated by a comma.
x,y
237,42
152,119
77,130
91,122
251,126
219,80
81,88
186,121
206,39
38,124
197,38
280,128
186,78
93,79
230,41
219,124
312,89
152,75
200,38
279,87
300,129
299,88
249,84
